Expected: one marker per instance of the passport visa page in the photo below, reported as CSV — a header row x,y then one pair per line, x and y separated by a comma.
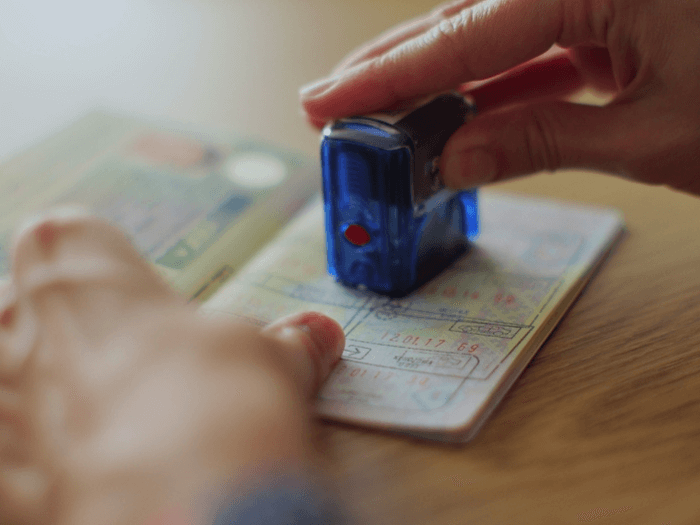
x,y
185,196
200,205
436,362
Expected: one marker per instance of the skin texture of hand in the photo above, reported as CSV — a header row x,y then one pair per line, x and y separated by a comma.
x,y
118,401
519,58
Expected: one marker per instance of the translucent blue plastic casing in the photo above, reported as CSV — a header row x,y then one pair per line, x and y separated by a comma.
x,y
390,224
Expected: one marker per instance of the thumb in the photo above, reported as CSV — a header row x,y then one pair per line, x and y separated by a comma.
x,y
525,139
312,343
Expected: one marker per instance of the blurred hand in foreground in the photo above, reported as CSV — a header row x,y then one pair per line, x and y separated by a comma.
x,y
119,402
519,59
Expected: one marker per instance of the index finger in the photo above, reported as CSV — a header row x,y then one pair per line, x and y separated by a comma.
x,y
401,33
479,42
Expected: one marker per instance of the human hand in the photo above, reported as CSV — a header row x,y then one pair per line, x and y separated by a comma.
x,y
118,401
643,52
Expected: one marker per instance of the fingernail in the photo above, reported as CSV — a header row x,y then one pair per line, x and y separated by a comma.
x,y
469,168
326,340
318,87
325,332
317,123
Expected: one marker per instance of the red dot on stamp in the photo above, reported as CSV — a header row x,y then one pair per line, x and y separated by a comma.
x,y
357,235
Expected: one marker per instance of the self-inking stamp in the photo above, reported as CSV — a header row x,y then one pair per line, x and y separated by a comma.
x,y
391,225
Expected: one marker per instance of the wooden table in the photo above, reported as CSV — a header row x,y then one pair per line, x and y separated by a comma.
x,y
604,424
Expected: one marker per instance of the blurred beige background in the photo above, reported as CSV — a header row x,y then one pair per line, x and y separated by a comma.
x,y
235,64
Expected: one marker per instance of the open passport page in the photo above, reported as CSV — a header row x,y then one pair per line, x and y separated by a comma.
x,y
211,212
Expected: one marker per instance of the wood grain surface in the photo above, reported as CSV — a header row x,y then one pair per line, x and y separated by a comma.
x,y
604,424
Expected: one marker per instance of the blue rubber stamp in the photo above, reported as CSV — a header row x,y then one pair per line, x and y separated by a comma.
x,y
391,225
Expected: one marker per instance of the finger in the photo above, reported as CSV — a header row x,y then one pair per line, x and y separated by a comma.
x,y
73,274
23,493
552,77
617,138
312,342
14,427
17,332
537,80
401,33
479,42
70,246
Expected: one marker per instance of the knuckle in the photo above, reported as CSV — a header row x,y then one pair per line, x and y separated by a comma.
x,y
377,68
40,236
667,153
448,34
540,140
588,20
